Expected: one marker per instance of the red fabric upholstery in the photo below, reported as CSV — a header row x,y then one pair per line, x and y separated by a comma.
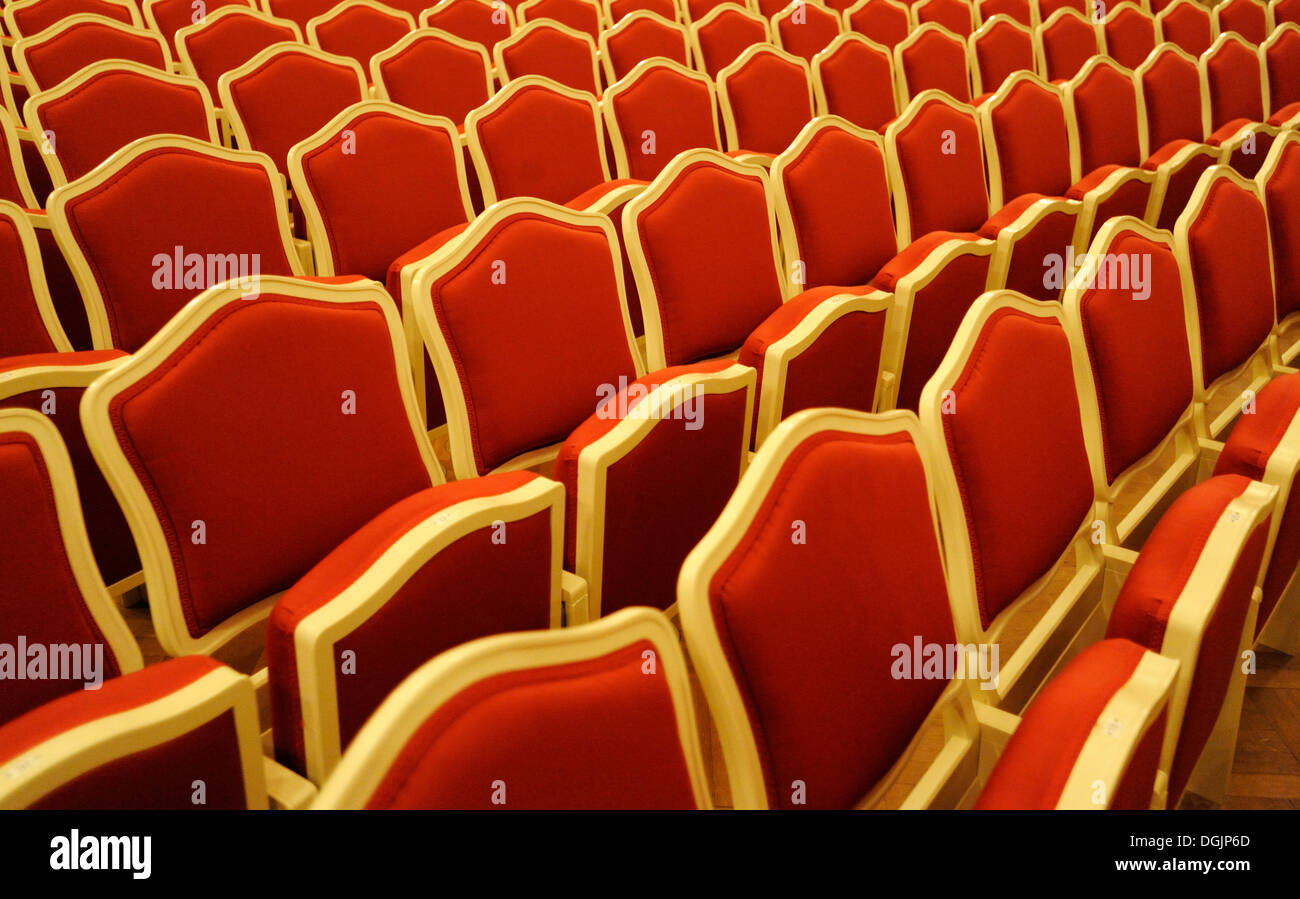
x,y
945,191
595,734
1052,234
838,193
1181,184
300,11
818,687
1047,7
1130,36
1286,11
1020,10
677,109
1282,196
360,32
1228,245
1040,756
807,32
1138,350
1252,442
771,101
1067,44
1033,141
1105,108
663,495
1001,50
1017,450
936,60
1171,88
542,144
1282,69
173,15
1249,18
399,186
229,42
620,8
708,246
555,54
1235,88
472,21
1285,114
425,616
36,18
528,378
1153,588
23,331
461,83
1189,27
580,15
72,49
290,97
191,445
955,15
883,22
114,108
726,37
858,83
158,193
643,39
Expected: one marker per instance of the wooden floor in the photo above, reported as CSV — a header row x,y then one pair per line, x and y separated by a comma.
x,y
1266,769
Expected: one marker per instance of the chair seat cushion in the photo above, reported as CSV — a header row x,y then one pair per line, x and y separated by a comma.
x,y
1007,215
1091,181
1285,114
1166,153
913,255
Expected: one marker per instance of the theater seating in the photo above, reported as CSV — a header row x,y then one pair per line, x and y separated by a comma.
x,y
1188,25
552,50
640,36
434,72
999,48
931,58
854,78
765,97
227,39
886,22
1063,43
359,29
167,17
722,34
476,21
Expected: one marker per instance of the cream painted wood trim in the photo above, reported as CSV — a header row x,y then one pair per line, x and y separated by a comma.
x,y
23,45
346,6
523,33
36,275
734,70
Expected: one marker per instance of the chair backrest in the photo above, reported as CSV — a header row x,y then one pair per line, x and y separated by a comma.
x,y
854,78
31,323
108,104
1249,18
1282,11
537,138
958,16
434,72
54,603
15,186
1048,8
169,16
286,93
375,182
831,189
299,11
1064,42
552,50
1279,181
999,48
765,98
48,57
1021,11
1128,34
695,10
805,29
658,110
359,29
943,191
226,40
1280,61
328,362
140,252
810,710
478,21
1230,83
703,244
723,34
512,721
932,58
886,22
145,741
639,36
1169,94
1187,24
27,17
1102,101
580,15
1027,140
617,10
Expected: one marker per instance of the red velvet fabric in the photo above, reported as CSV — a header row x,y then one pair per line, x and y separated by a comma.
x,y
1130,36
807,38
620,8
955,15
229,42
1234,85
173,15
884,23
23,331
360,32
1051,235
1067,45
1282,69
1172,92
36,18
945,191
1020,10
1179,189
1282,197
678,110
643,39
555,54
1249,18
771,100
1105,108
725,38
1189,27
1000,51
74,48
595,734
471,21
858,83
1286,11
1033,142
580,15
936,61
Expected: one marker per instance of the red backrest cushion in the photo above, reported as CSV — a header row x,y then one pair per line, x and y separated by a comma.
x,y
945,190
360,32
884,23
472,21
71,50
1282,66
597,734
393,189
620,8
859,86
936,61
1033,141
1067,45
1246,17
818,687
678,110
36,18
1189,27
532,352
1138,349
1130,36
559,56
955,15
1001,50
580,15
230,42
173,15
1282,194
312,473
807,36
771,101
1286,11
1016,443
1017,9
24,331
1105,108
1235,88
1229,248
1172,93
726,37
643,39
461,83
708,245
158,193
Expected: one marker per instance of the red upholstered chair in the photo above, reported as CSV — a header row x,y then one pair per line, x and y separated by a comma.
x,y
1281,11
1192,596
477,21
703,244
27,17
1248,18
48,57
1063,43
695,10
1000,47
1048,8
765,98
854,78
617,10
227,39
1234,107
1278,184
598,717
189,465
931,58
639,36
1279,58
805,29
958,16
286,93
405,73
54,596
393,595
1128,34
157,184
106,105
552,50
182,734
167,17
1020,11
719,37
299,11
580,15
31,322
886,22
1187,24
359,29
15,185
617,440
